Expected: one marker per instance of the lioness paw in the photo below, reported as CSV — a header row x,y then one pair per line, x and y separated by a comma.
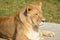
x,y
49,34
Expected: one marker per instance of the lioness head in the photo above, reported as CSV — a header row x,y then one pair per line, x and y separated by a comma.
x,y
33,14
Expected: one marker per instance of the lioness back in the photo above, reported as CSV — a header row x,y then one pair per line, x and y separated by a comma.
x,y
7,27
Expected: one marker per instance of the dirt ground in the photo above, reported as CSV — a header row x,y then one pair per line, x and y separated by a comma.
x,y
50,27
54,28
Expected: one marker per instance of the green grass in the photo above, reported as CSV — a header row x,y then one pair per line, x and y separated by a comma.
x,y
51,8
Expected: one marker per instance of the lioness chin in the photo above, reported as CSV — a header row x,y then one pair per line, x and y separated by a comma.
x,y
23,26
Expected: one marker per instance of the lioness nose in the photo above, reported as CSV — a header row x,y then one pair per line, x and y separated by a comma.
x,y
43,20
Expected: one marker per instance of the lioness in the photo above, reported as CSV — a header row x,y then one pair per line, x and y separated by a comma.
x,y
23,26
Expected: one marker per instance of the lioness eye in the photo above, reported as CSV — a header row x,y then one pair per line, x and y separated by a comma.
x,y
29,9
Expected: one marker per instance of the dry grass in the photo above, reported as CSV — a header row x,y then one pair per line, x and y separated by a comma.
x,y
51,8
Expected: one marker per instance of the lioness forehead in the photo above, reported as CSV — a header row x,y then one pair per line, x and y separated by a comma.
x,y
39,4
35,6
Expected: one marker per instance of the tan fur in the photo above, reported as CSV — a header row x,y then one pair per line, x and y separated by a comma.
x,y
26,24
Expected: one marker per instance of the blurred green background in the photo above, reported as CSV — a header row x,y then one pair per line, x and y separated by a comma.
x,y
51,8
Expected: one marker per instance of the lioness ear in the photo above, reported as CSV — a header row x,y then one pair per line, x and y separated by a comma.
x,y
25,12
39,4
